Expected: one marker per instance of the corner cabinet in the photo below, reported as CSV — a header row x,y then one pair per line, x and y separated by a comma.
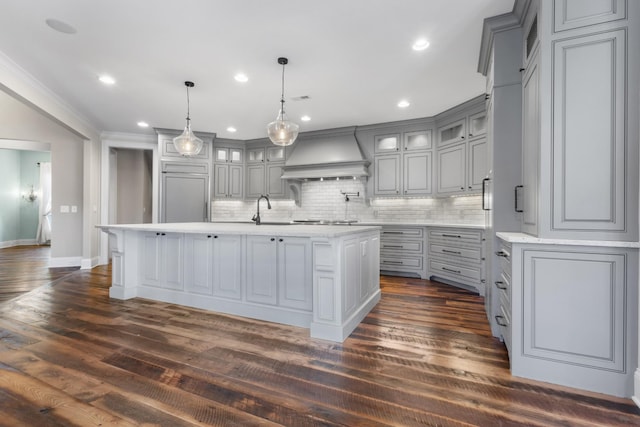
x,y
403,164
462,161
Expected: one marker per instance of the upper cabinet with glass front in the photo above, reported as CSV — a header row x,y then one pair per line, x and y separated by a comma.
x,y
387,143
228,155
452,132
477,124
417,141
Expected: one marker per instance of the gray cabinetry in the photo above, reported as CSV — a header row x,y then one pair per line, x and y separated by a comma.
x,y
185,184
461,158
567,316
403,165
264,171
580,150
402,251
213,265
228,181
457,255
279,271
162,260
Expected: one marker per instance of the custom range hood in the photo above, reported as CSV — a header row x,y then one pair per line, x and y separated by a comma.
x,y
326,154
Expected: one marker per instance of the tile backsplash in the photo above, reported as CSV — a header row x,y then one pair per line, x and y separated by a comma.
x,y
324,200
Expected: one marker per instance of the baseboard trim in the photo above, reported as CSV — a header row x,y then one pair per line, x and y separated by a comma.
x,y
89,263
20,242
65,262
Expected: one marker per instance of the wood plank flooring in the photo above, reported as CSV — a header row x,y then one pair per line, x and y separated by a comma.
x,y
24,268
70,356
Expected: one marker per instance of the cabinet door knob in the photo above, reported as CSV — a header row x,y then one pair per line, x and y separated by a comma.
x,y
462,188
209,236
157,234
164,234
279,240
215,237
470,134
521,69
469,187
273,239
462,137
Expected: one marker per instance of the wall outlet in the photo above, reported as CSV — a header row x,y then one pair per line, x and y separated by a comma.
x,y
74,209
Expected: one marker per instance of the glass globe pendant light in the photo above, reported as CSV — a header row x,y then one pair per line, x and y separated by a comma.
x,y
187,143
282,131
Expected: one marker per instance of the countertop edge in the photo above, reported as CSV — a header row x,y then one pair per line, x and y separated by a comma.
x,y
525,238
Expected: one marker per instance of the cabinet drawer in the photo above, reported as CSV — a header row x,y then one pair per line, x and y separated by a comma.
x,y
456,235
503,286
457,272
504,322
504,259
464,254
398,232
404,246
391,263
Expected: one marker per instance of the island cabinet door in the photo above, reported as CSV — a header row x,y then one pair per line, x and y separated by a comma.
x,y
262,256
162,257
295,288
198,268
227,266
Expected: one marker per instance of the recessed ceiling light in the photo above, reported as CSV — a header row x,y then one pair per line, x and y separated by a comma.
x,y
241,77
231,129
420,44
143,124
61,27
106,79
305,118
404,103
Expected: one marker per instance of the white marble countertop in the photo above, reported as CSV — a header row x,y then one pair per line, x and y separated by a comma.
x,y
525,238
384,224
248,228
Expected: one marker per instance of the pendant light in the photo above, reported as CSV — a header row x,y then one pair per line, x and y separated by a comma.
x,y
187,143
282,131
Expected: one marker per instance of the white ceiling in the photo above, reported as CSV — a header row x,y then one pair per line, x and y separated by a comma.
x,y
353,58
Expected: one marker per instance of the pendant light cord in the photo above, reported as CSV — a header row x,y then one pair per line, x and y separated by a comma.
x,y
188,119
282,95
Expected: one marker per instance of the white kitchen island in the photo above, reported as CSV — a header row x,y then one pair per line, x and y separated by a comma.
x,y
321,277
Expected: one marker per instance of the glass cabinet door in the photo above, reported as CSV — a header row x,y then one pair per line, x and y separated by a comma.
x,y
275,154
255,155
419,140
386,143
477,124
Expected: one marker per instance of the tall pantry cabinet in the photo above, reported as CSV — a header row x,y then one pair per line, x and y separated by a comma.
x,y
568,282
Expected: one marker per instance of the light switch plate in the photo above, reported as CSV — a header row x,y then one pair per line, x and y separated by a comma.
x,y
64,208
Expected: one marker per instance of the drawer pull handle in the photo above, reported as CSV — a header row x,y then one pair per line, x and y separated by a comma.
x,y
451,270
392,262
457,236
500,285
502,254
498,321
447,251
392,232
393,246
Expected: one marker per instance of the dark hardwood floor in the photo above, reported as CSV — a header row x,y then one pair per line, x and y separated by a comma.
x,y
24,268
70,356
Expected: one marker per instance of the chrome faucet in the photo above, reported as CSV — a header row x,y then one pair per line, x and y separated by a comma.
x,y
256,217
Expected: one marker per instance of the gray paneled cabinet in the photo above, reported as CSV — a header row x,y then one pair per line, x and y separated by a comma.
x,y
213,265
185,182
461,158
228,172
567,314
279,271
162,260
580,150
263,172
403,164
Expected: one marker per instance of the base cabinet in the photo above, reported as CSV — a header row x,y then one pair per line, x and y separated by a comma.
x,y
279,271
572,317
402,251
162,264
457,255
